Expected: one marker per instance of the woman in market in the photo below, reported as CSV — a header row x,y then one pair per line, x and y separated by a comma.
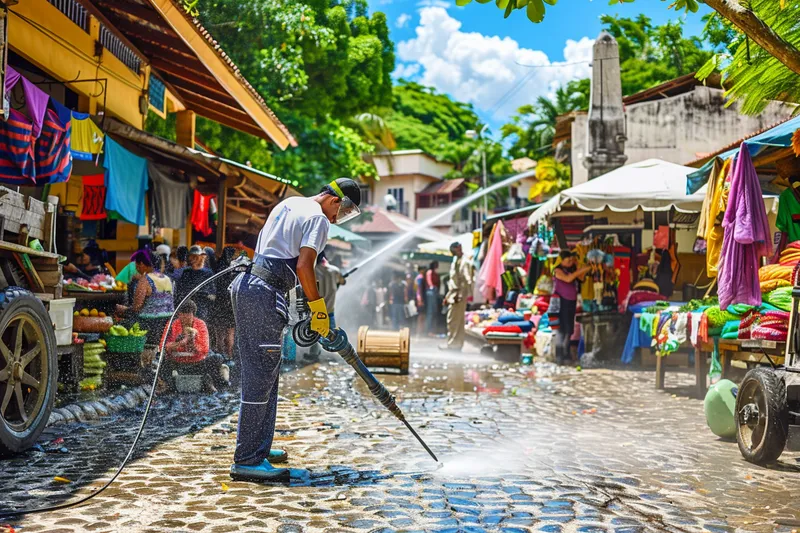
x,y
193,276
431,298
177,262
152,303
565,277
222,322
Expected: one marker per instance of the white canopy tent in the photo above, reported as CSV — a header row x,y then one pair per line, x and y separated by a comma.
x,y
650,185
443,246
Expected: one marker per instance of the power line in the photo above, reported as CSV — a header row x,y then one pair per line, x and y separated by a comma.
x,y
553,65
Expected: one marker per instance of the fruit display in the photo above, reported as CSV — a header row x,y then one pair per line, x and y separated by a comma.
x,y
122,331
91,321
98,283
93,365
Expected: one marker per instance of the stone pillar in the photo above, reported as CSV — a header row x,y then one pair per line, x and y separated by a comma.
x,y
606,135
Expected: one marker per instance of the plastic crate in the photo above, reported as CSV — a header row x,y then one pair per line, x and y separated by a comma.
x,y
128,344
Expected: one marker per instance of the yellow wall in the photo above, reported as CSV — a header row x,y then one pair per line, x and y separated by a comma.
x,y
46,37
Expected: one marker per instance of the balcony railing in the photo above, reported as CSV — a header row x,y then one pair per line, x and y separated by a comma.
x,y
121,51
80,16
74,12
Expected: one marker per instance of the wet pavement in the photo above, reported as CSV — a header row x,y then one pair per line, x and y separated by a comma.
x,y
523,449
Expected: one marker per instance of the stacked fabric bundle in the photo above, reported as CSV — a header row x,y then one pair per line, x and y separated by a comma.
x,y
773,326
790,256
771,277
780,298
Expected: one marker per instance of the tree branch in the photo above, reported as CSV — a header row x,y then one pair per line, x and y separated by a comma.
x,y
757,29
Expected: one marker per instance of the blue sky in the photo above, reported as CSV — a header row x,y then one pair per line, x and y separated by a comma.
x,y
475,55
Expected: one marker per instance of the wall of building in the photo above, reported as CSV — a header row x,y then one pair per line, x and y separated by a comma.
x,y
410,183
679,129
414,163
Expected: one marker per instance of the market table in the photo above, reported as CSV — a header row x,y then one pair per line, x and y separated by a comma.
x,y
509,348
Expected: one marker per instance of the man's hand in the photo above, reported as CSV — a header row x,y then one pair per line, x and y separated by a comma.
x,y
320,321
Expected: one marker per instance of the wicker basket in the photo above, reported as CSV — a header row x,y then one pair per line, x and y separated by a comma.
x,y
128,344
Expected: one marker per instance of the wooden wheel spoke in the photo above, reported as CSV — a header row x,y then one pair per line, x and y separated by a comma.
x,y
20,402
5,373
18,341
31,355
5,352
6,399
30,381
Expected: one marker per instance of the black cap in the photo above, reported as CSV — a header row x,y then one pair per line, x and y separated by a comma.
x,y
350,189
196,250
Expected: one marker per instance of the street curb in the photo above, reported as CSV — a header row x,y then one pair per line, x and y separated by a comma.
x,y
96,409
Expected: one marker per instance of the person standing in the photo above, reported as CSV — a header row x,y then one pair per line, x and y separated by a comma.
x,y
286,251
419,292
565,277
398,298
191,277
330,279
459,288
431,298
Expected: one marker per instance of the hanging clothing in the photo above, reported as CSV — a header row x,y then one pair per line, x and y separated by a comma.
x,y
714,231
126,183
200,213
788,220
52,158
35,99
490,281
747,236
86,138
170,198
16,150
94,198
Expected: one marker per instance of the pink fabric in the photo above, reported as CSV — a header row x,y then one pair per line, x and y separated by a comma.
x,y
747,236
489,276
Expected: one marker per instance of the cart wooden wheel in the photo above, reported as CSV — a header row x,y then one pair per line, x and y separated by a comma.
x,y
28,369
762,416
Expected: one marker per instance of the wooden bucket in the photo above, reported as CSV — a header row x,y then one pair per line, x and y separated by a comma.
x,y
385,349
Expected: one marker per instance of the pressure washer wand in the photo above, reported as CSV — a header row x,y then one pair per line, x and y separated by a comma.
x,y
337,342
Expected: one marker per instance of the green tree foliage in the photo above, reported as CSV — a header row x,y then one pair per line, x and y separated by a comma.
x,y
319,64
534,125
551,177
750,73
650,55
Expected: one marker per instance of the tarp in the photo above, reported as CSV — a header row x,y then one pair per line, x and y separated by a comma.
x,y
650,185
780,136
338,232
443,246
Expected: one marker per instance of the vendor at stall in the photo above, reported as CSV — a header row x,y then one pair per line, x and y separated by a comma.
x,y
788,219
152,303
565,277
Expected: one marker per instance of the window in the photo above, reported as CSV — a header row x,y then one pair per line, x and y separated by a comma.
x,y
397,192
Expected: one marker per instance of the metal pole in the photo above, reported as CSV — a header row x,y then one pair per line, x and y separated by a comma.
x,y
485,196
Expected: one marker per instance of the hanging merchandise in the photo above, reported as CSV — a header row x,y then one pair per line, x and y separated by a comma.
x,y
171,199
35,99
87,138
53,161
200,212
718,190
489,277
661,237
747,236
212,207
16,157
94,197
126,183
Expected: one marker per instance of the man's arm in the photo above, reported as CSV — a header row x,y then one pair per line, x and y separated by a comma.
x,y
306,274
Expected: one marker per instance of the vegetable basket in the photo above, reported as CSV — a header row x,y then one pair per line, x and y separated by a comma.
x,y
127,344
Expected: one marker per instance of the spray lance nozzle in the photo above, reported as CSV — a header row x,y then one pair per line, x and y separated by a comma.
x,y
336,341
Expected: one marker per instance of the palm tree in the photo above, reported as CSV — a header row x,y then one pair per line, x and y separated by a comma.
x,y
551,177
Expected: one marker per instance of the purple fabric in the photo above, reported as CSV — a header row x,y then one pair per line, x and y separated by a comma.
x,y
746,237
568,291
516,228
35,99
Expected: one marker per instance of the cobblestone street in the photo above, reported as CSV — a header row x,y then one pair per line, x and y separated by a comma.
x,y
524,449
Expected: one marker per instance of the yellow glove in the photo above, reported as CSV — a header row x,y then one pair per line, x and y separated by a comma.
x,y
319,317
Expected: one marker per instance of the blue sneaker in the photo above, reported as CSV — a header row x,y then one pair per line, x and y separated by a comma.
x,y
278,456
264,472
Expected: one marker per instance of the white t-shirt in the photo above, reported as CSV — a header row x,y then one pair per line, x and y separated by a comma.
x,y
293,224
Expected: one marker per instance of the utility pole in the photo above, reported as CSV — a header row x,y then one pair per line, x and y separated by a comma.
x,y
472,134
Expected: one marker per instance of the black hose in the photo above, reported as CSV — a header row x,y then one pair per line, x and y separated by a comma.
x,y
122,466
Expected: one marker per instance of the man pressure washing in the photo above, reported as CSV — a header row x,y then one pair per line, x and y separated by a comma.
x,y
295,232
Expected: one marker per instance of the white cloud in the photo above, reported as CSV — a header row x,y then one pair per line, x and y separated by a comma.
x,y
481,69
402,20
406,71
434,3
